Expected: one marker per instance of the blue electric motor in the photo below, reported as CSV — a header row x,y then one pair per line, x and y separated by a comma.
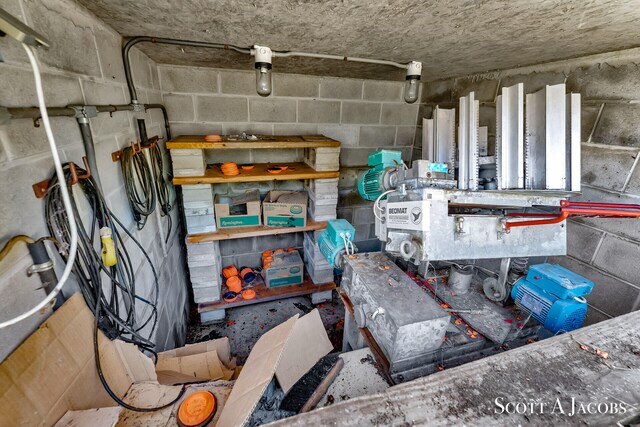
x,y
554,296
332,241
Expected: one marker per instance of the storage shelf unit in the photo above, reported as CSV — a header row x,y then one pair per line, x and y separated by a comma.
x,y
296,171
267,142
265,294
253,231
214,175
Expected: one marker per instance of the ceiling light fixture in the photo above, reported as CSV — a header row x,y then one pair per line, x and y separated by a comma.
x,y
263,56
412,86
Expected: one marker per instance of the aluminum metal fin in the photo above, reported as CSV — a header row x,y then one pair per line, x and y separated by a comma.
x,y
499,141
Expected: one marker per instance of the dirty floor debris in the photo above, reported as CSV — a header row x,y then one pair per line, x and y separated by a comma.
x,y
244,325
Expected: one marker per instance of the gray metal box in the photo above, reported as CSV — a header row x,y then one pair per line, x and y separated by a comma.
x,y
403,319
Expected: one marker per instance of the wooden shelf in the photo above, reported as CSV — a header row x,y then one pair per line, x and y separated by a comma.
x,y
213,175
253,231
265,142
265,294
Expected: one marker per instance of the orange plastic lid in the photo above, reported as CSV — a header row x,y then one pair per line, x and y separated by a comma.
x,y
234,284
248,294
247,167
291,249
279,250
274,170
266,265
245,271
213,138
197,409
267,259
229,271
267,253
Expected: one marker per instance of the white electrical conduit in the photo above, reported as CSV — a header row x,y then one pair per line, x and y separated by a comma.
x,y
63,189
340,58
376,205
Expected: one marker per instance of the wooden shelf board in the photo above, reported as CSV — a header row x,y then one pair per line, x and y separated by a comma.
x,y
265,142
213,175
253,231
265,294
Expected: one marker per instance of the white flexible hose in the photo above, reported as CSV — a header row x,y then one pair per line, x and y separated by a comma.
x,y
63,189
376,205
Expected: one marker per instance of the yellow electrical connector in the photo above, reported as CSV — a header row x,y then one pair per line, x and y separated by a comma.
x,y
108,247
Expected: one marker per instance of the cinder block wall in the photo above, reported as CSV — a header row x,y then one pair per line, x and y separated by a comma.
x,y
83,66
363,114
606,251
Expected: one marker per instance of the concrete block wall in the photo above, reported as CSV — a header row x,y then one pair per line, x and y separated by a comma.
x,y
606,251
363,114
83,66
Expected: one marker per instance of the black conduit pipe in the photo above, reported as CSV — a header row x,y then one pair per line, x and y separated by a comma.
x,y
162,40
89,149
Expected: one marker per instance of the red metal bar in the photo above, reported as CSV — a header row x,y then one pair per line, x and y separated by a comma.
x,y
556,220
573,209
567,203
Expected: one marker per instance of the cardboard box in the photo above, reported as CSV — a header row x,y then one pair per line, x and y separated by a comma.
x,y
286,268
51,378
238,211
285,209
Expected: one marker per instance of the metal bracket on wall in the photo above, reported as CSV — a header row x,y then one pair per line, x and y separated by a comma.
x,y
40,188
137,147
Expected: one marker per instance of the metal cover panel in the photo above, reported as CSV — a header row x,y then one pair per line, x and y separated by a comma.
x,y
510,137
535,167
411,324
573,142
556,137
428,140
468,143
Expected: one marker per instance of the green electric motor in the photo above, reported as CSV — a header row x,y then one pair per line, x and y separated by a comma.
x,y
385,165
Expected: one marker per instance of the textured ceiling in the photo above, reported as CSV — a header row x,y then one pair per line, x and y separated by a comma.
x,y
451,38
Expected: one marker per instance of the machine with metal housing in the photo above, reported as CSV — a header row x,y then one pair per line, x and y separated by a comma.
x,y
460,209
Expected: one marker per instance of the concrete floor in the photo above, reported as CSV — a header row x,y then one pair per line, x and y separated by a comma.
x,y
244,325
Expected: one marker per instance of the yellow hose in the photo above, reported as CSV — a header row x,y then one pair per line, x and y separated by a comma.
x,y
12,242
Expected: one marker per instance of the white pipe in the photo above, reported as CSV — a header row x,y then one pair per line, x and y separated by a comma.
x,y
341,58
65,196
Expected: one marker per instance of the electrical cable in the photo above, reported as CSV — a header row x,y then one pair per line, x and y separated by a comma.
x,y
138,184
64,193
115,308
12,242
162,187
377,206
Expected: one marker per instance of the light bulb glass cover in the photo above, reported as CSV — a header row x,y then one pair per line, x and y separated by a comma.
x,y
263,79
411,87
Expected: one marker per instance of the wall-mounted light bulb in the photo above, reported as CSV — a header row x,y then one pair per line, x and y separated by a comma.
x,y
263,69
412,84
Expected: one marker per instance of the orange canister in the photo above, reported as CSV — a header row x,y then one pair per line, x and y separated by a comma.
x,y
234,284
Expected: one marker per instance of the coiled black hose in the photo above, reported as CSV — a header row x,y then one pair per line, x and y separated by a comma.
x,y
120,312
138,184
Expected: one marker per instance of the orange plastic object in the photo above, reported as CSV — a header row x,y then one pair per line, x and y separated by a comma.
x,y
267,260
274,170
267,253
283,167
234,284
245,271
229,271
248,294
230,298
291,249
247,167
279,250
229,169
197,409
213,138
266,265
